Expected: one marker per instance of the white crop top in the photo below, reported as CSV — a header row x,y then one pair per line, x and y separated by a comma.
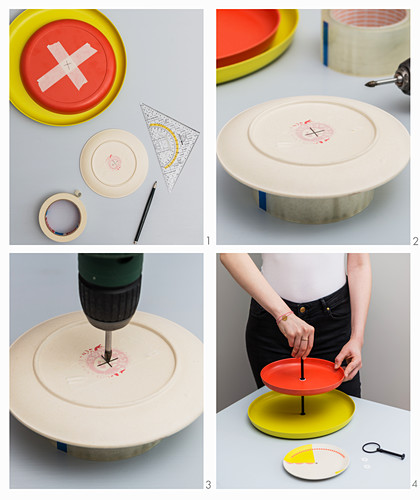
x,y
302,277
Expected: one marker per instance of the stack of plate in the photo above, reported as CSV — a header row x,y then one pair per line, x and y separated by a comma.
x,y
61,388
66,65
313,159
278,412
249,39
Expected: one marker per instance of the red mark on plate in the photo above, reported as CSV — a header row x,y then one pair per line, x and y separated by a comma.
x,y
93,360
315,132
114,162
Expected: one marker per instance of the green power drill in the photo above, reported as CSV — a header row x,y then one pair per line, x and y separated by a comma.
x,y
109,290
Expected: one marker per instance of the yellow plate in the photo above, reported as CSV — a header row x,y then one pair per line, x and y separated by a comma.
x,y
284,36
279,414
23,27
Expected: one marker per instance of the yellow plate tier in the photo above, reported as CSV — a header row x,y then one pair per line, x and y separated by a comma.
x,y
24,26
284,36
279,414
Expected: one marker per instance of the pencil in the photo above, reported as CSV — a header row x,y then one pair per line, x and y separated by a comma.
x,y
145,211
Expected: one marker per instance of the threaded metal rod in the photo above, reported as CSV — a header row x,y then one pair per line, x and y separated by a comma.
x,y
302,370
302,405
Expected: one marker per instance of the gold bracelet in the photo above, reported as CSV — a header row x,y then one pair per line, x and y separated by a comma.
x,y
283,317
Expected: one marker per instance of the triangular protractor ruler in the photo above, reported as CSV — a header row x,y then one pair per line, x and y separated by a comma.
x,y
173,142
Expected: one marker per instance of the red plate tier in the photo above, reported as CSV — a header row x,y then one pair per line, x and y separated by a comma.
x,y
244,33
285,376
68,66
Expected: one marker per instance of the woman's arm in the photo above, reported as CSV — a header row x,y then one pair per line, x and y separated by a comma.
x,y
360,286
299,334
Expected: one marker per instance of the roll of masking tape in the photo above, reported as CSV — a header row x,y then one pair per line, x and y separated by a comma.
x,y
365,42
62,217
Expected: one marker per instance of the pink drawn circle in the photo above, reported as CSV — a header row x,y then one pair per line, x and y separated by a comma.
x,y
315,132
114,162
93,359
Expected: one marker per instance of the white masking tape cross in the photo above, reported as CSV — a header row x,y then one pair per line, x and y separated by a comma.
x,y
67,66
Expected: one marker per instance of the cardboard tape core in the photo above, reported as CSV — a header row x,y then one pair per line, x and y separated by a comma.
x,y
62,217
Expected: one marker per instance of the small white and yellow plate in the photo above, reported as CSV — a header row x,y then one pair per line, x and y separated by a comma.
x,y
114,163
316,461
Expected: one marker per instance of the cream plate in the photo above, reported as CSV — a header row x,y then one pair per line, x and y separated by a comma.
x,y
60,388
316,461
114,163
313,147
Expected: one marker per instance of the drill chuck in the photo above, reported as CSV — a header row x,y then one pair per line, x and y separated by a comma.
x,y
109,288
109,308
403,77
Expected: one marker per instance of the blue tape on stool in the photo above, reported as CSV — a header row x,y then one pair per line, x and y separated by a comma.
x,y
325,43
262,200
62,447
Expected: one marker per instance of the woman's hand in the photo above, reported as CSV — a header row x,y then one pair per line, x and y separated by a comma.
x,y
351,351
299,334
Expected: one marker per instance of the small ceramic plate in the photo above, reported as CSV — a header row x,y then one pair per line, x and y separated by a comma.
x,y
61,388
316,461
114,163
244,33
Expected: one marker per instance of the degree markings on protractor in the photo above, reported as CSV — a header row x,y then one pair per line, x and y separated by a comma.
x,y
172,140
175,154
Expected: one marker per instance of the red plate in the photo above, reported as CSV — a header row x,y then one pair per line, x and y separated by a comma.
x,y
244,33
68,66
284,376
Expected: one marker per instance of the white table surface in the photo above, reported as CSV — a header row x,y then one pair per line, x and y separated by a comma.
x,y
164,71
248,458
299,71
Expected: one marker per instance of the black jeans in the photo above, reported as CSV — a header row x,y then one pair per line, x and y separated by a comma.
x,y
331,318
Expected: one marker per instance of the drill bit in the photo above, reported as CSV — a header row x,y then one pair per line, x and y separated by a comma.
x,y
108,346
374,83
401,78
